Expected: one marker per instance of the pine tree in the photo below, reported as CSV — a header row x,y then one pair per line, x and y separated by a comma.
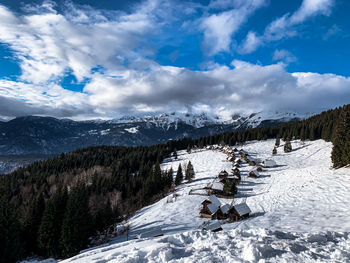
x,y
170,178
179,175
76,227
188,149
51,224
341,140
32,224
189,174
274,151
287,147
10,232
278,141
175,154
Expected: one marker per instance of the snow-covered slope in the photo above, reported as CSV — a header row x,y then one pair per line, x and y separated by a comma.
x,y
300,213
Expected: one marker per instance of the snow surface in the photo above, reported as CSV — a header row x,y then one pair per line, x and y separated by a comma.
x,y
132,130
300,213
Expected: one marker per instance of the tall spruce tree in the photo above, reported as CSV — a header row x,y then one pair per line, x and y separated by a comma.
x,y
11,243
32,224
179,175
76,227
50,230
278,141
189,174
341,140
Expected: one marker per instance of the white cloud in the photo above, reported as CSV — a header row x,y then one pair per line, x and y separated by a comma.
x,y
219,28
251,42
245,87
285,26
48,44
283,55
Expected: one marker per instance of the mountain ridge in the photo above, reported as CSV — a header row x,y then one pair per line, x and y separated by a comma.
x,y
49,135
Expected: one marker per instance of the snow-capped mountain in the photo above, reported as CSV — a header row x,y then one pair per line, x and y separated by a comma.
x,y
47,135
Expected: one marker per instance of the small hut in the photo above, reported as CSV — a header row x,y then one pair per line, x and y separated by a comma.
x,y
222,174
217,188
251,162
212,226
240,211
268,163
259,169
254,174
236,171
210,207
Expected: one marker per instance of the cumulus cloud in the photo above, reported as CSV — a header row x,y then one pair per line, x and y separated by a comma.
x,y
219,28
283,55
49,44
285,26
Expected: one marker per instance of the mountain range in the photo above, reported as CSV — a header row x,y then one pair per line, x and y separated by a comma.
x,y
47,135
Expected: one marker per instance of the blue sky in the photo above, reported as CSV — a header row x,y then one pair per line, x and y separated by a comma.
x,y
102,59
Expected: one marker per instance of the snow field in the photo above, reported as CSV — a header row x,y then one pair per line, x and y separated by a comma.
x,y
300,213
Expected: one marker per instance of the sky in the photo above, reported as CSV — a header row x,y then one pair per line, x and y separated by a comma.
x,y
87,59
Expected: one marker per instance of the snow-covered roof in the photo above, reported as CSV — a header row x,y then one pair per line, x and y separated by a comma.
x,y
213,208
225,208
214,200
212,225
255,172
233,177
269,163
242,209
218,186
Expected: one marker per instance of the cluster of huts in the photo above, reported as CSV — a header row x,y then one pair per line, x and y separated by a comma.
x,y
214,209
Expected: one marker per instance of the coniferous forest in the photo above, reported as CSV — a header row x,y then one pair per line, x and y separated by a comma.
x,y
52,207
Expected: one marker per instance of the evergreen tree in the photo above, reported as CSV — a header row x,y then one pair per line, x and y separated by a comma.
x,y
76,227
10,232
170,177
104,217
32,224
287,147
175,154
51,224
341,140
179,175
189,174
274,151
188,149
278,141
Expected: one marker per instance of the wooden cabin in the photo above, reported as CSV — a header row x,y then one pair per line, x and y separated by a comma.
x,y
223,174
269,163
210,207
254,174
217,188
236,171
251,162
212,226
239,212
259,169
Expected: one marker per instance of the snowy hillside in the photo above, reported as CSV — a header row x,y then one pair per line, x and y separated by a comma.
x,y
300,212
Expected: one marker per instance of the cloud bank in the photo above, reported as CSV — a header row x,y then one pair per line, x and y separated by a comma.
x,y
109,52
